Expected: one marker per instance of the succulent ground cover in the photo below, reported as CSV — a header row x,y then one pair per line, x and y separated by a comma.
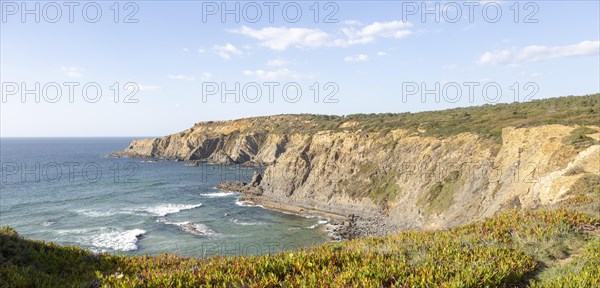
x,y
539,248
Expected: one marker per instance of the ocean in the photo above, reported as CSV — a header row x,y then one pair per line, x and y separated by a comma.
x,y
68,191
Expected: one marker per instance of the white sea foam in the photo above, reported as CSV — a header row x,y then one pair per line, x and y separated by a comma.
x,y
164,209
76,231
246,203
238,222
95,213
48,223
321,221
113,239
218,194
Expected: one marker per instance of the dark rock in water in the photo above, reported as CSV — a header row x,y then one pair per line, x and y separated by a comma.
x,y
196,229
251,188
192,163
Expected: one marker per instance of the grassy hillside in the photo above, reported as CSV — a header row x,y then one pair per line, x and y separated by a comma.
x,y
486,120
543,248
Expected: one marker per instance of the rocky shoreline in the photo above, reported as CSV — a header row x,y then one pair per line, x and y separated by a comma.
x,y
340,227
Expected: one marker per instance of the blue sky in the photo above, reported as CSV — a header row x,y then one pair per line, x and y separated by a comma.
x,y
370,58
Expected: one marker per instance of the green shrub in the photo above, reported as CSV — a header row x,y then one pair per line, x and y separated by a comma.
x,y
583,271
486,121
385,190
588,184
579,139
441,194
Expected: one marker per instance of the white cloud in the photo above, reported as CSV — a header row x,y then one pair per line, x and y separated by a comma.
x,y
200,50
206,76
71,71
181,77
381,53
534,53
280,38
276,74
149,87
392,29
357,58
225,51
186,50
277,62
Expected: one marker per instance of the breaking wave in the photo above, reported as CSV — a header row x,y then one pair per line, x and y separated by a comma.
x,y
246,203
95,213
218,194
113,239
165,209
238,222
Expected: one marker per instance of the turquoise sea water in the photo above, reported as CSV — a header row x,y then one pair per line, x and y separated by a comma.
x,y
68,190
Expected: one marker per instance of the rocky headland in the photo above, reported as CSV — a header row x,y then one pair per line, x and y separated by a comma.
x,y
375,174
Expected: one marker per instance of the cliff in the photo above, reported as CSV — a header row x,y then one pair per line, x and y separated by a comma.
x,y
422,170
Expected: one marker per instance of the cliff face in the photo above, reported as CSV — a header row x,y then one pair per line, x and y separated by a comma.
x,y
216,143
412,179
429,182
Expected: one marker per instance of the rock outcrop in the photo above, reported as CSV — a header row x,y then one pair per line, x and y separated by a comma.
x,y
252,188
406,177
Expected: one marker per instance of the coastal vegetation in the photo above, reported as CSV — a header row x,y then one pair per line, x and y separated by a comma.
x,y
579,138
539,248
487,120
